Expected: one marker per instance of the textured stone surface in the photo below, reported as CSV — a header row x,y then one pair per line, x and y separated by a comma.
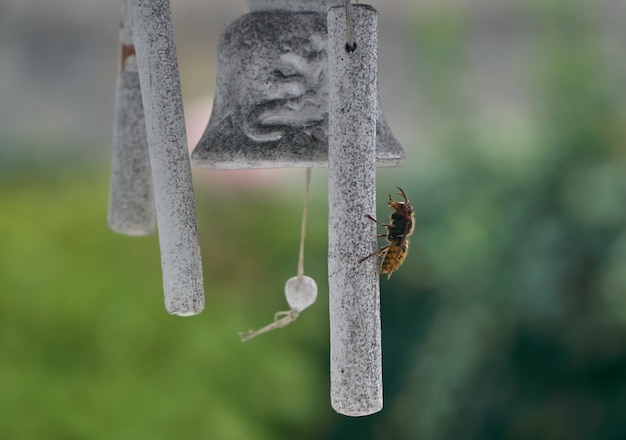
x,y
167,141
271,99
293,5
131,199
355,334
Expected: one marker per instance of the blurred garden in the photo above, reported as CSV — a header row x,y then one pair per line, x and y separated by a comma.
x,y
507,320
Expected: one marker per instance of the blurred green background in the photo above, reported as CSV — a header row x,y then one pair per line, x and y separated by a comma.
x,y
507,320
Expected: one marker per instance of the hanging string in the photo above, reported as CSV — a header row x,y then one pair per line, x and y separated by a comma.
x,y
281,319
303,227
351,44
300,291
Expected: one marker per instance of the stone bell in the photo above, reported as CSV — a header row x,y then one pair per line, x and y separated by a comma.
x,y
272,96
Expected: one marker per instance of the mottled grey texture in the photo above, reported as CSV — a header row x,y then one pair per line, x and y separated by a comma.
x,y
271,99
131,199
355,334
293,5
167,141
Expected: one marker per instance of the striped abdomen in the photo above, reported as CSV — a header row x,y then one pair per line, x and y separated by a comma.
x,y
394,257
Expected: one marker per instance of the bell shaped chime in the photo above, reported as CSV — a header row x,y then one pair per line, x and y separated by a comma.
x,y
271,99
297,87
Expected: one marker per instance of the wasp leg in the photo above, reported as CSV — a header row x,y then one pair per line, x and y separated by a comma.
x,y
383,250
374,220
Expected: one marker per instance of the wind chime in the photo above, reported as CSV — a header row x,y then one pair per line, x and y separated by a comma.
x,y
296,87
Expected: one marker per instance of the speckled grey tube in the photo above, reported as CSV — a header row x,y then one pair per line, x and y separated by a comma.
x,y
169,157
355,335
131,199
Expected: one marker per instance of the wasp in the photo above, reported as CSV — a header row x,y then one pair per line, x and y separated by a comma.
x,y
398,231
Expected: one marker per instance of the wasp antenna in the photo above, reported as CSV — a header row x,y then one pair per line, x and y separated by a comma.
x,y
401,193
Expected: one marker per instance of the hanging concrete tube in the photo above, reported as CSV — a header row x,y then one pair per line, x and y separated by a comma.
x,y
169,157
355,334
131,199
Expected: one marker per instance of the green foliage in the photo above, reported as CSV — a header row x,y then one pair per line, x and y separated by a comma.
x,y
87,350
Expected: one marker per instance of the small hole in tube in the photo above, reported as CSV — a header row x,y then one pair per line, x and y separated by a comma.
x,y
350,47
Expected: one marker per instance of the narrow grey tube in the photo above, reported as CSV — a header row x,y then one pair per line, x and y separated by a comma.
x,y
169,157
355,334
131,198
